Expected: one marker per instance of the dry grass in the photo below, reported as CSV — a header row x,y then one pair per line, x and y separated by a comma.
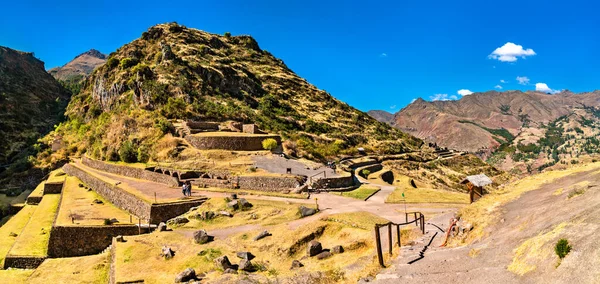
x,y
422,194
228,134
78,203
56,176
85,269
34,238
485,211
263,213
15,275
138,258
14,225
534,250
38,191
362,192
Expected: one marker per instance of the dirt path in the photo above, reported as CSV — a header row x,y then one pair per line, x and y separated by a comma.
x,y
535,212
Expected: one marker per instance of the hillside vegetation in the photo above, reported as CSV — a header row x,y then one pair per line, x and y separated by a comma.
x,y
175,72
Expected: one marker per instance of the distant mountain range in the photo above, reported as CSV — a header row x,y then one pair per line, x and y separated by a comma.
x,y
382,115
81,66
484,123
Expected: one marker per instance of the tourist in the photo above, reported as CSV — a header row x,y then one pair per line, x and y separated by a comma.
x,y
184,188
189,188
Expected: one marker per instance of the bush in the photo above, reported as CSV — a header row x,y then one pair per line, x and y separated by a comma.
x,y
164,125
365,173
127,152
112,62
269,144
175,108
142,154
227,34
143,70
107,222
128,62
562,248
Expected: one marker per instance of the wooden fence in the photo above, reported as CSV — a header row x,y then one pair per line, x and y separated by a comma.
x,y
419,221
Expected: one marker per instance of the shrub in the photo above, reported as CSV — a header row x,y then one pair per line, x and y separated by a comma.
x,y
142,154
164,125
127,152
112,62
175,108
269,144
128,62
227,34
143,70
562,248
107,222
365,173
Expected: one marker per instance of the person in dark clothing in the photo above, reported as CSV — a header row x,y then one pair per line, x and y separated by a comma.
x,y
189,188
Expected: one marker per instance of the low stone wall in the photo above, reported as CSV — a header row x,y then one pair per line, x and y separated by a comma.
x,y
70,241
371,168
131,172
203,125
275,184
23,261
233,143
209,182
34,200
335,182
112,272
163,212
113,193
53,187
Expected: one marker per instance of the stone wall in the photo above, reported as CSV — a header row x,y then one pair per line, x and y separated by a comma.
x,y
53,187
209,182
131,172
335,182
268,183
112,272
113,193
163,212
371,168
70,241
23,262
199,125
34,200
233,143
252,129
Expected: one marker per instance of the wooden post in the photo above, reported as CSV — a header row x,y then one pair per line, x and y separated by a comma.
x,y
155,197
130,219
422,223
415,214
378,242
390,237
317,203
398,234
139,226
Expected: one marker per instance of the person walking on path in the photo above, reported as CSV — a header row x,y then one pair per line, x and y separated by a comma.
x,y
189,188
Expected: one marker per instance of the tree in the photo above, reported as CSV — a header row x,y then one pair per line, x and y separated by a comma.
x,y
227,34
562,248
127,152
269,144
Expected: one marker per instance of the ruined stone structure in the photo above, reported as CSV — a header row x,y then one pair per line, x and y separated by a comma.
x,y
252,129
233,143
131,172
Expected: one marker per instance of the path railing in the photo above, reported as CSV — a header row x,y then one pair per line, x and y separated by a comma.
x,y
419,221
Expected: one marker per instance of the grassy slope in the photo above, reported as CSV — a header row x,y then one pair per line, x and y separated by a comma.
x,y
33,240
15,225
86,269
15,275
79,202
361,193
423,195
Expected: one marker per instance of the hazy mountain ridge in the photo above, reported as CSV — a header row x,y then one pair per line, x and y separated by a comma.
x,y
81,66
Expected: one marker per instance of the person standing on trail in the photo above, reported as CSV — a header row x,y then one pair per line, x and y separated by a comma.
x,y
189,188
184,188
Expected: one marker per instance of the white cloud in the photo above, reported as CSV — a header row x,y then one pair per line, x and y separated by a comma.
x,y
413,100
523,80
502,81
510,52
498,87
443,97
383,55
543,87
393,107
464,92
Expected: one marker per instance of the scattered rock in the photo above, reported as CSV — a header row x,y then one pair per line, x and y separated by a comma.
x,y
81,185
262,235
186,275
243,203
234,196
167,252
162,227
296,264
208,215
230,271
98,201
222,262
253,216
324,255
194,208
314,248
305,211
366,279
245,255
12,234
201,237
233,204
225,213
337,250
120,239
245,265
178,221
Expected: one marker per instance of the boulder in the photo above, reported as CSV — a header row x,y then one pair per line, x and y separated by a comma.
x,y
98,201
186,275
223,263
262,234
245,265
233,204
337,250
253,216
296,264
245,255
178,221
324,255
225,213
314,248
167,252
305,211
244,204
120,239
230,271
208,215
202,237
12,234
81,185
162,227
234,196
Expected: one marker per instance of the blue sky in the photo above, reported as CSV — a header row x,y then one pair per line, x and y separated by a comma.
x,y
371,54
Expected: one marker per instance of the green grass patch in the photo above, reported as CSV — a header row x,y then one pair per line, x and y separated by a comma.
x,y
362,192
91,269
497,132
34,238
14,225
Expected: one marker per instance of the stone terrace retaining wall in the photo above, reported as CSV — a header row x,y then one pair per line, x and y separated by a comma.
x,y
268,183
131,172
34,200
370,168
233,143
335,182
24,262
70,241
53,187
163,212
113,193
209,182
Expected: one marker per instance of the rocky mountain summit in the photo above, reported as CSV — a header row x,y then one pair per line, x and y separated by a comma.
x,y
382,116
81,66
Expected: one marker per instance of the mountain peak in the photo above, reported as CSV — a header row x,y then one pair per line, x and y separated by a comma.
x,y
80,67
93,53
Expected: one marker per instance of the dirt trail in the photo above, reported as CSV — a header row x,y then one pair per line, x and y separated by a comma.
x,y
535,212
